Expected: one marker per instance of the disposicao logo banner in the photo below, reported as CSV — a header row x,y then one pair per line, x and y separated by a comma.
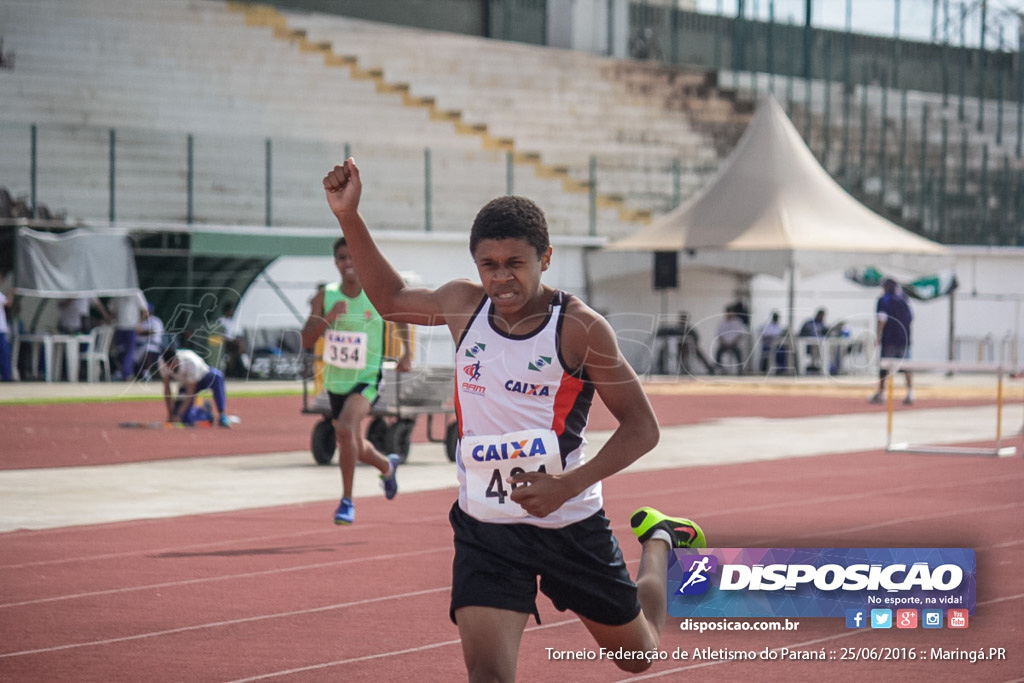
x,y
817,582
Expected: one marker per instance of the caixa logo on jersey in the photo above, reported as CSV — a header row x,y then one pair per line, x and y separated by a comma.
x,y
527,388
509,450
346,338
817,582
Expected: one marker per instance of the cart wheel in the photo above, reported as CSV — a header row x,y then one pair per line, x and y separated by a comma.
x,y
451,440
377,434
323,442
399,438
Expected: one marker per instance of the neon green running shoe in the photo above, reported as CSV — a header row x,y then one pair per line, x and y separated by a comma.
x,y
685,533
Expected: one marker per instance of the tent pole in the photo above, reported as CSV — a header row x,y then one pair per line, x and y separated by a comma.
x,y
951,340
792,297
299,316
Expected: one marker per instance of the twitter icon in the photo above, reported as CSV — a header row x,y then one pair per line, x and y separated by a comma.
x,y
881,618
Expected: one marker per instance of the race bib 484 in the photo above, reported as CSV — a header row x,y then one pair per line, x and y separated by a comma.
x,y
490,460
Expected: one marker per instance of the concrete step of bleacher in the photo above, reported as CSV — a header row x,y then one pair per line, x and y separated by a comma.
x,y
92,65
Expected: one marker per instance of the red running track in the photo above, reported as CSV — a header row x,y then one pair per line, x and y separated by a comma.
x,y
280,594
73,434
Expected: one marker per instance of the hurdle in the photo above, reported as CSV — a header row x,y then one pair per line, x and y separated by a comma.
x,y
894,365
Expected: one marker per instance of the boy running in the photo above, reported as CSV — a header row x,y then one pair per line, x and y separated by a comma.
x,y
352,373
528,361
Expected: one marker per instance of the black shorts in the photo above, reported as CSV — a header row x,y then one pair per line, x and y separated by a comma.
x,y
900,351
580,568
338,400
895,351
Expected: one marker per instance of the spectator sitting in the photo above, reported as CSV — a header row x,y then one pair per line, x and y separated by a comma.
x,y
731,334
771,342
839,330
815,329
75,314
687,345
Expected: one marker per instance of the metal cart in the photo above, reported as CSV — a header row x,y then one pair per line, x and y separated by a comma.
x,y
403,397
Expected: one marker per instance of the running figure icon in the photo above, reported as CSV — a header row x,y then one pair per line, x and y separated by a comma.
x,y
698,570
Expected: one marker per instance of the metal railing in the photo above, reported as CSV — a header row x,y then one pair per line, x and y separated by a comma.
x,y
946,190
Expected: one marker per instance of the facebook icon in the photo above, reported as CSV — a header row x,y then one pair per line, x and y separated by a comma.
x,y
856,618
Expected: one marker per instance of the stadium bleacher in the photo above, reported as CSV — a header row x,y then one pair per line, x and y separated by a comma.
x,y
213,104
244,87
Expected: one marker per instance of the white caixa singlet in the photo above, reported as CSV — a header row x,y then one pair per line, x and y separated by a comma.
x,y
518,408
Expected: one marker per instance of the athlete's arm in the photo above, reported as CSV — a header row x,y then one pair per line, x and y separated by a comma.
x,y
315,324
405,360
388,293
190,398
588,341
318,321
881,317
168,402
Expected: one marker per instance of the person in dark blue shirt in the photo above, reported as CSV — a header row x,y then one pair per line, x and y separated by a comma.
x,y
893,338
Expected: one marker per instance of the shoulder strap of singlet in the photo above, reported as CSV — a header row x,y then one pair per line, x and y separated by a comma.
x,y
472,319
561,298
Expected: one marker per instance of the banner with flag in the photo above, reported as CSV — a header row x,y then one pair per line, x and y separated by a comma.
x,y
924,288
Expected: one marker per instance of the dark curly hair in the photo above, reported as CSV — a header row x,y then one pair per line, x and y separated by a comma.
x,y
510,217
169,352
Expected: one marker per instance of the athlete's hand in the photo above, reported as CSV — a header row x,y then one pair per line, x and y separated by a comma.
x,y
339,309
539,493
343,188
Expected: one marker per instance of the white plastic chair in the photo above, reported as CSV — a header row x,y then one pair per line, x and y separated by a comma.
x,y
96,354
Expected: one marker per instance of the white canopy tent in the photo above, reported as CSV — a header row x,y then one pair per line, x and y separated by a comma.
x,y
772,209
77,263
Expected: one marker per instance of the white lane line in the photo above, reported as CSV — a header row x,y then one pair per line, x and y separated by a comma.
x,y
332,531
369,600
381,655
767,507
229,622
229,577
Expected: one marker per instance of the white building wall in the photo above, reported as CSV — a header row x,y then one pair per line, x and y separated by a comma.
x,y
987,311
427,260
988,305
584,25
